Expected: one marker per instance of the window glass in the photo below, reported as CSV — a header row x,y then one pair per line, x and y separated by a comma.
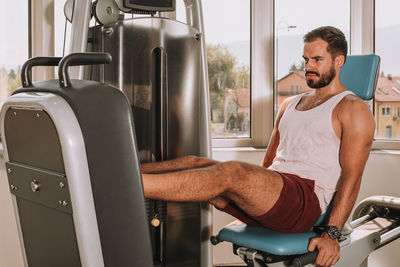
x,y
13,45
293,19
227,33
387,95
386,111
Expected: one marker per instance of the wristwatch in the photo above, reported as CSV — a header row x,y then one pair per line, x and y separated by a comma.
x,y
332,231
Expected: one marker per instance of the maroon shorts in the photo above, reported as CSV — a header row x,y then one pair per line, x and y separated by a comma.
x,y
296,210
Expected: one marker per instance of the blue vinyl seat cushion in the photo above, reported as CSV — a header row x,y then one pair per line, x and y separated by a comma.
x,y
266,240
360,74
271,242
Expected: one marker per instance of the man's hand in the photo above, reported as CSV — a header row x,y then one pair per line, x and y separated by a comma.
x,y
328,250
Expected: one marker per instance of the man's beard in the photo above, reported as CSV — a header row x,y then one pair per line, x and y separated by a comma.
x,y
324,79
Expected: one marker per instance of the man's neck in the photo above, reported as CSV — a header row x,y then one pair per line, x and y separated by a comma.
x,y
334,88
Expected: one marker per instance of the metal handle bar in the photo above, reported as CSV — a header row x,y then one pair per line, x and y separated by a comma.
x,y
26,71
305,259
76,59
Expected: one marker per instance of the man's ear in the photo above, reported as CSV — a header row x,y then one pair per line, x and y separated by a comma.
x,y
339,60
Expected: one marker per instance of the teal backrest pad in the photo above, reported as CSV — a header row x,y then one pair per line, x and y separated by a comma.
x,y
360,74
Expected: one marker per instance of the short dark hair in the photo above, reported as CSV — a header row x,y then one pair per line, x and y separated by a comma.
x,y
337,44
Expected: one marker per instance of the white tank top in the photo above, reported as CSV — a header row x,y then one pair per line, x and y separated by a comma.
x,y
309,148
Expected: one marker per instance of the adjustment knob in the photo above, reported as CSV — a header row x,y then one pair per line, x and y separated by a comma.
x,y
155,222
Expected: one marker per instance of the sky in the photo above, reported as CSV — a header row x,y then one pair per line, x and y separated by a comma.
x,y
226,21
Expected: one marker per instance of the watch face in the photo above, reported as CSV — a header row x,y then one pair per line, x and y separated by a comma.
x,y
333,232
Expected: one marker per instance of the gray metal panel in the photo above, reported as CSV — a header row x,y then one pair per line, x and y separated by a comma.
x,y
49,236
46,188
76,168
39,146
183,235
44,207
157,63
132,44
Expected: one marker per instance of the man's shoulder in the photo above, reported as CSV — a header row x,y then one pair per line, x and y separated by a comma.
x,y
289,99
352,108
286,102
351,101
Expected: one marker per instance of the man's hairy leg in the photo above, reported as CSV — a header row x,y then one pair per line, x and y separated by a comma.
x,y
252,188
183,163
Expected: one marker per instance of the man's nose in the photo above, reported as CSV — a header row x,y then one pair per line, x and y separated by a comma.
x,y
309,65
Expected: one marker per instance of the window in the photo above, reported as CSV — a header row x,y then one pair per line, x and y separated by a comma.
x,y
291,24
386,111
228,55
240,113
387,28
389,132
13,45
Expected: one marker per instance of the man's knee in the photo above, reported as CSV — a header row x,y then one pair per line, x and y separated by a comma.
x,y
235,169
232,166
232,172
219,202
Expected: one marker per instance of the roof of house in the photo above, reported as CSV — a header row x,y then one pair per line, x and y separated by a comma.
x,y
300,73
241,96
388,89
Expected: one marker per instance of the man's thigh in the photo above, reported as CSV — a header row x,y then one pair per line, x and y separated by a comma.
x,y
255,189
296,209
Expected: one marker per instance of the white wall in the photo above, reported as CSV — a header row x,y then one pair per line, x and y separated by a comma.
x,y
381,177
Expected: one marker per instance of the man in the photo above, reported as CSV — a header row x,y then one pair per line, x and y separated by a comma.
x,y
318,148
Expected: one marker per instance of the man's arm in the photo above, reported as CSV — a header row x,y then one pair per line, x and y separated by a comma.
x,y
357,133
274,140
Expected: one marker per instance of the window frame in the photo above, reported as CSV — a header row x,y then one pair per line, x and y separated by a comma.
x,y
364,23
41,37
261,76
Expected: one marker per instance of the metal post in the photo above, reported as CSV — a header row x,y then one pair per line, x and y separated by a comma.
x,y
194,18
79,32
